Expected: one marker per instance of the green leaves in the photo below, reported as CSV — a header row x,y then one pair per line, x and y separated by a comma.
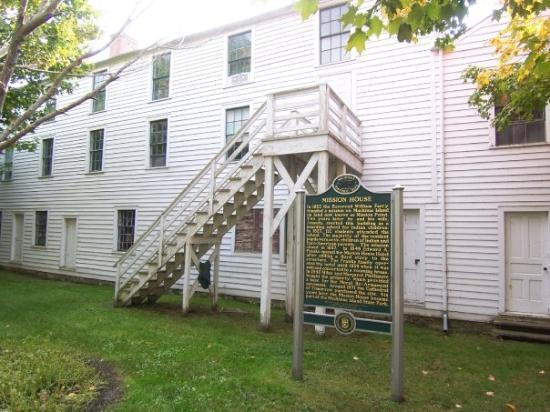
x,y
306,7
357,41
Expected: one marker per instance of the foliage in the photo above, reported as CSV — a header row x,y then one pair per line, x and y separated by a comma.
x,y
36,376
523,71
43,54
222,362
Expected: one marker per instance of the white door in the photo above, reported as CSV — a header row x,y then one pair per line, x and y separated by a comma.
x,y
17,238
527,271
68,256
414,254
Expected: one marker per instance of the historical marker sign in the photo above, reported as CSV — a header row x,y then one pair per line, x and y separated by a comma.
x,y
347,248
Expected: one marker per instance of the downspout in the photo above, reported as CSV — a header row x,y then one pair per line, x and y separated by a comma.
x,y
443,200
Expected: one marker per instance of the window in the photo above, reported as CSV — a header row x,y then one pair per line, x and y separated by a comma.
x,y
40,228
520,131
6,165
238,53
96,150
234,120
47,157
158,131
126,229
334,36
50,107
99,100
248,233
161,76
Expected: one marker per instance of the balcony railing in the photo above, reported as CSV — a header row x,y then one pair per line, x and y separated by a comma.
x,y
313,110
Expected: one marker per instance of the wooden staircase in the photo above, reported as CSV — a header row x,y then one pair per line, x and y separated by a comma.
x,y
219,196
523,328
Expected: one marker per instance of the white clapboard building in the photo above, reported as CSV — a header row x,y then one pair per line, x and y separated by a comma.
x,y
141,184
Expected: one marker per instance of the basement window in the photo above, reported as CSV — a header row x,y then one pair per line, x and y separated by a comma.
x,y
249,231
126,229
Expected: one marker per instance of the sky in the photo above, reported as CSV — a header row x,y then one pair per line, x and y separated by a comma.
x,y
168,19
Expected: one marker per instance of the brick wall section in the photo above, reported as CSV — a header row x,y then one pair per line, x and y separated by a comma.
x,y
248,233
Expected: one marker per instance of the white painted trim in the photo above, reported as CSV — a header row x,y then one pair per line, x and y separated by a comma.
x,y
115,225
87,165
150,119
421,232
170,77
492,132
502,210
250,75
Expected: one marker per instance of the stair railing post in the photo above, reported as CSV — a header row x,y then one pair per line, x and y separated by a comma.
x,y
117,280
161,238
212,187
216,275
323,107
186,277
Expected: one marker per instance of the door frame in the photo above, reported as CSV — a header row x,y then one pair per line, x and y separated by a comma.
x,y
502,279
62,263
422,242
13,234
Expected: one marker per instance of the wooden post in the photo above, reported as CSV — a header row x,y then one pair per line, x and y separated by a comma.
x,y
322,186
340,167
298,347
290,250
267,251
216,275
186,277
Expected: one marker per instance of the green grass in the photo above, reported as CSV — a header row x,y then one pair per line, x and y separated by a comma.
x,y
208,361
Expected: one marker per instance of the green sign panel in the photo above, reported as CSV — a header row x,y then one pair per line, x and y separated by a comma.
x,y
347,248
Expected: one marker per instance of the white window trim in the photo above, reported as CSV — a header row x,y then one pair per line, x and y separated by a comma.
x,y
40,162
317,40
115,225
2,161
147,142
106,70
493,134
230,106
250,77
170,77
34,245
89,146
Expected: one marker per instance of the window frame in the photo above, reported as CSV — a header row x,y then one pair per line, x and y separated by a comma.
x,y
152,77
350,55
493,132
41,168
224,125
148,142
240,78
35,229
3,163
89,153
103,91
116,227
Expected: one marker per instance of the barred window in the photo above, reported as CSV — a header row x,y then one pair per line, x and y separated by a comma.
x,y
40,228
521,131
158,136
161,76
126,229
96,150
47,157
6,165
334,36
239,50
99,100
234,120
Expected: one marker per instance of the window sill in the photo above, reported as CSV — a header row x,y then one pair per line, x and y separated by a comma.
x,y
157,167
338,64
229,85
518,146
45,177
160,100
6,181
98,172
39,247
98,112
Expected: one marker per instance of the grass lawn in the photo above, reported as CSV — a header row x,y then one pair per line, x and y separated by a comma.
x,y
208,361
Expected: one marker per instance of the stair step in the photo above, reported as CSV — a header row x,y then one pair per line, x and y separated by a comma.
x,y
522,335
235,178
247,166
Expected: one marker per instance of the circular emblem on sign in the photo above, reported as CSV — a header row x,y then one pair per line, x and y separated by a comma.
x,y
344,323
346,184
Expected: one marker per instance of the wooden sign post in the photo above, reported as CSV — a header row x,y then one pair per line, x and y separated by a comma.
x,y
349,258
